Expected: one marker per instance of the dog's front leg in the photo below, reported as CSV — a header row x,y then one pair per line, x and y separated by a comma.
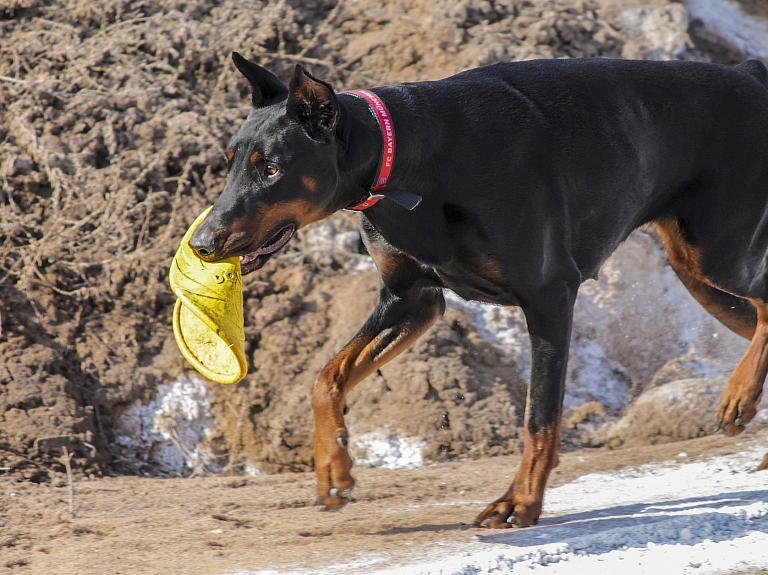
x,y
398,320
549,325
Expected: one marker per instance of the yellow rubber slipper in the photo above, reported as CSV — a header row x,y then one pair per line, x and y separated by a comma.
x,y
208,315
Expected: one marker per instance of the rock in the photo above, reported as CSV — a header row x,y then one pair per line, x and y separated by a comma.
x,y
680,410
655,33
688,367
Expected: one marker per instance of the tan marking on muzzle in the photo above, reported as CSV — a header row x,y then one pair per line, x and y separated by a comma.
x,y
301,211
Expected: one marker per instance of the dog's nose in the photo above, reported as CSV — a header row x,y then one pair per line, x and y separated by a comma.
x,y
203,243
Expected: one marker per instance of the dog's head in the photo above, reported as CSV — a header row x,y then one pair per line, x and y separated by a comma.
x,y
281,169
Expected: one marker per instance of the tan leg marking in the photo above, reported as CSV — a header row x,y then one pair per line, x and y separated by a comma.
x,y
685,260
738,404
525,496
361,357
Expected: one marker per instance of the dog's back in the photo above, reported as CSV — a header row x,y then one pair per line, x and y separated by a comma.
x,y
757,69
602,146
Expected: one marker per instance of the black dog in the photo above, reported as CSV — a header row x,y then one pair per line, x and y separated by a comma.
x,y
530,174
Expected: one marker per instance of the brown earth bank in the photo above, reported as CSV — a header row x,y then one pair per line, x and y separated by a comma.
x,y
114,120
236,524
114,116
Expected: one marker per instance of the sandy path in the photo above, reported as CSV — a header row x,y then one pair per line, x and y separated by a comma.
x,y
221,525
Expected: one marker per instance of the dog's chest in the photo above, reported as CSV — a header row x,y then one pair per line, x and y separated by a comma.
x,y
476,282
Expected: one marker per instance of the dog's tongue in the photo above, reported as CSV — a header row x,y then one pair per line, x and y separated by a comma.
x,y
265,251
245,260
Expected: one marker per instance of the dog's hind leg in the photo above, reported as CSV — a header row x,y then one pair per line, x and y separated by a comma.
x,y
736,313
738,404
403,312
746,317
549,325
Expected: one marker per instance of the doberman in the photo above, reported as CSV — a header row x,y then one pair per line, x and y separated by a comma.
x,y
530,174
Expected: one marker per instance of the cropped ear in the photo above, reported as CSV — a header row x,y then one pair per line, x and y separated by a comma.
x,y
313,103
264,84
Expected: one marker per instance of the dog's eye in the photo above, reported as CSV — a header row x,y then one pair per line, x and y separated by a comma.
x,y
271,169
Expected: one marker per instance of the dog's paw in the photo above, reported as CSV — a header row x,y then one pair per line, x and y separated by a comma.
x,y
336,499
738,407
334,480
503,515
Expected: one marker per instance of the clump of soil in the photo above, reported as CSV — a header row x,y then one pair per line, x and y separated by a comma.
x,y
117,115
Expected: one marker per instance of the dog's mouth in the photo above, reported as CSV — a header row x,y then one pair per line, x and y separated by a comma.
x,y
257,258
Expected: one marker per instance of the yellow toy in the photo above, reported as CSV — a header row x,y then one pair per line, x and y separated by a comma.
x,y
208,315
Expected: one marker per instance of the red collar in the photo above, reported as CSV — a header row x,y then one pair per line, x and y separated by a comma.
x,y
387,159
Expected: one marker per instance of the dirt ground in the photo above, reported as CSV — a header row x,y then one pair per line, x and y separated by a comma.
x,y
113,120
221,524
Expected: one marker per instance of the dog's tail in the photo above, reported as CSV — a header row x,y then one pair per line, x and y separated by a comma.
x,y
756,69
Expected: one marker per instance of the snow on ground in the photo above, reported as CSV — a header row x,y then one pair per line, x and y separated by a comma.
x,y
707,517
726,19
390,451
171,432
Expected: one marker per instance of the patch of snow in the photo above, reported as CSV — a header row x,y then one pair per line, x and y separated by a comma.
x,y
503,327
592,376
702,367
251,469
643,316
359,263
726,19
330,236
388,451
663,482
171,432
336,239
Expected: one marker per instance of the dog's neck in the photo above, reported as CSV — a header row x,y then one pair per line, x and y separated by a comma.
x,y
379,189
360,148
